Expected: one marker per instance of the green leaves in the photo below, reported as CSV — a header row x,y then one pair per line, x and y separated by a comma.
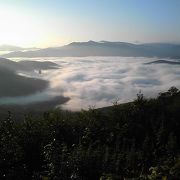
x,y
110,143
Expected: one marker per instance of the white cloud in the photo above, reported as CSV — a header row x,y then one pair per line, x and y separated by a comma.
x,y
98,81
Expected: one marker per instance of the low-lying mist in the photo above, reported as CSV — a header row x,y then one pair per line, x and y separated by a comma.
x,y
99,81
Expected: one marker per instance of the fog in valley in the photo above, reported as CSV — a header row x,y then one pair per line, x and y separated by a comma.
x,y
85,81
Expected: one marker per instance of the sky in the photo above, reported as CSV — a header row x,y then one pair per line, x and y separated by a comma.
x,y
45,23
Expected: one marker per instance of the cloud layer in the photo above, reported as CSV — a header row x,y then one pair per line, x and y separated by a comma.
x,y
99,81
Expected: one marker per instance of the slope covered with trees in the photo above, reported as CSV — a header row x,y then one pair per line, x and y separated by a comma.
x,y
139,140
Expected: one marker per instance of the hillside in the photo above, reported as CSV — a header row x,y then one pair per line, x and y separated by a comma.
x,y
13,84
139,140
105,48
27,65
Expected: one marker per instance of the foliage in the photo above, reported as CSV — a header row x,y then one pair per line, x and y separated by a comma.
x,y
138,140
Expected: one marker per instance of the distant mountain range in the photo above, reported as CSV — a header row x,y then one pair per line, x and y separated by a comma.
x,y
104,48
6,47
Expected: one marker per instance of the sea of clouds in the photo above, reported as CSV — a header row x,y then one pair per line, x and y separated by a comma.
x,y
100,81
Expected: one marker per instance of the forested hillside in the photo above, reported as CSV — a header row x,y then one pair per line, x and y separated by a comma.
x,y
139,140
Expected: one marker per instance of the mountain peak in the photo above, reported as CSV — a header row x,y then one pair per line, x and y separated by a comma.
x,y
104,48
83,43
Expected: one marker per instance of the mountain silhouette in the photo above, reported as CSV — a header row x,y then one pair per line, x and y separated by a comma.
x,y
164,62
27,65
13,84
104,48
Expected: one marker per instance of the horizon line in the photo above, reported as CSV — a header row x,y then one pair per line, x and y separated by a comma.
x,y
100,41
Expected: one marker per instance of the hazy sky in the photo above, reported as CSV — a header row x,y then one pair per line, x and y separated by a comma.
x,y
45,23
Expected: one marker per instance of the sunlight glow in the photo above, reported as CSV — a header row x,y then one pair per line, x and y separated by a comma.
x,y
18,29
47,23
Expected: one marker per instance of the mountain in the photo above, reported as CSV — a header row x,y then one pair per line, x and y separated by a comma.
x,y
164,62
104,48
27,65
13,84
6,47
11,65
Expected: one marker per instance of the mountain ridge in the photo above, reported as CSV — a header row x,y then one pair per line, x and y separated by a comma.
x,y
104,48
